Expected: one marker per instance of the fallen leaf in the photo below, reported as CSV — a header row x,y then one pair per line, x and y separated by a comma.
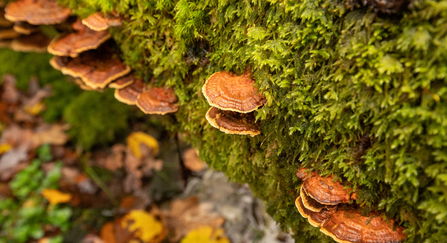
x,y
108,233
35,108
17,136
10,93
44,240
13,158
55,196
91,238
4,147
192,161
205,234
136,138
49,134
145,225
188,214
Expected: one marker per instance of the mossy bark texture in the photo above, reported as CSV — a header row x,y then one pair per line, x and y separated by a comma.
x,y
351,92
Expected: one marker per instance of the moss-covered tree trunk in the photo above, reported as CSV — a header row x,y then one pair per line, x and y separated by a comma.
x,y
352,91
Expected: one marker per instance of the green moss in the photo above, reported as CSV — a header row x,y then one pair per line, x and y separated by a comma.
x,y
330,75
96,118
22,65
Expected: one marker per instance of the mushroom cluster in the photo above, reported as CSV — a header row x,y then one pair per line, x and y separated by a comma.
x,y
233,99
20,20
325,204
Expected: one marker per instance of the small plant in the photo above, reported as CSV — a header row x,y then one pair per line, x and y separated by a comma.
x,y
28,215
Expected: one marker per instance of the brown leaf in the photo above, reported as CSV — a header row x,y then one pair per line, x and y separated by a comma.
x,y
13,158
112,161
10,93
17,136
91,238
51,134
192,161
188,214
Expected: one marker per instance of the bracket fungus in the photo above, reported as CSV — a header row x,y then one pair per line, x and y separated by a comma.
x,y
129,95
315,219
349,225
323,189
228,91
58,62
36,42
122,82
8,33
100,21
25,28
74,43
3,21
312,204
36,12
157,101
96,68
231,122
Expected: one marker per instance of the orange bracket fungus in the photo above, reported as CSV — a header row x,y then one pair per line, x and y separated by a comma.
x,y
316,219
25,28
122,82
323,189
130,94
58,62
8,33
3,21
311,203
36,12
74,43
36,42
349,225
227,91
157,101
96,68
233,122
100,21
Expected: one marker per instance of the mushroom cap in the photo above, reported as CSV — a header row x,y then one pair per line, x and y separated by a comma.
x,y
315,219
311,203
8,33
25,28
129,95
323,189
99,21
122,82
85,87
58,62
36,42
5,43
3,21
227,91
157,101
36,12
231,122
74,43
349,225
96,68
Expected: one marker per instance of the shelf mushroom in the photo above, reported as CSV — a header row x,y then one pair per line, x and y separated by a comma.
x,y
25,28
36,42
324,203
318,191
232,122
227,91
157,101
129,94
349,225
122,82
100,21
233,99
96,68
36,12
74,43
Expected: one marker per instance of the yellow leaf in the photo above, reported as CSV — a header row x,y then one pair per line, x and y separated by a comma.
x,y
4,147
54,196
136,138
145,225
35,109
205,234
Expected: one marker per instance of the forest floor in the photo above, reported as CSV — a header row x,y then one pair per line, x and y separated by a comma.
x,y
152,187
